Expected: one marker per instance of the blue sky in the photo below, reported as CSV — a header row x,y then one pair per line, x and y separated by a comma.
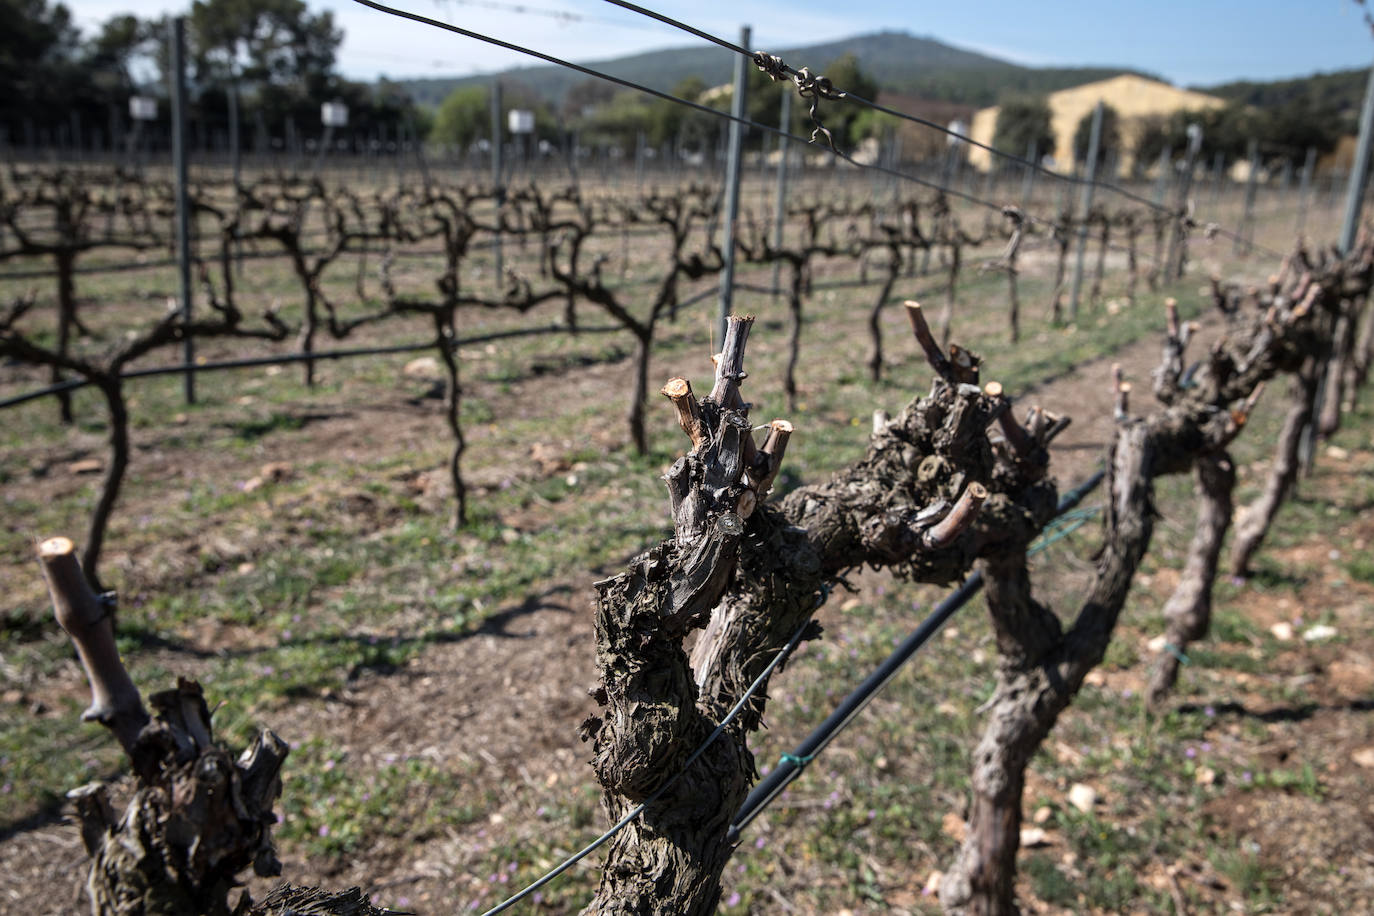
x,y
1197,42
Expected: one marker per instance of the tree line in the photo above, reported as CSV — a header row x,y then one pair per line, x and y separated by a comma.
x,y
59,87
1285,127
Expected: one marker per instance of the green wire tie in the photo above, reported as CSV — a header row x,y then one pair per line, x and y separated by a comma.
x,y
1177,653
798,762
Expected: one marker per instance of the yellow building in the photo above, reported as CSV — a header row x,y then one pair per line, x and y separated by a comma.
x,y
1135,98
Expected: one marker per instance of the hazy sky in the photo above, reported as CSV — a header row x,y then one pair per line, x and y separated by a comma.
x,y
1185,41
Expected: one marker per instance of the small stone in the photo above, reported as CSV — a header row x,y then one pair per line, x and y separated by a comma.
x,y
1082,797
86,466
1319,633
951,633
1095,679
1033,836
246,568
1364,757
276,471
850,604
1336,453
1042,814
1205,776
1157,644
1282,631
932,885
423,367
180,419
245,400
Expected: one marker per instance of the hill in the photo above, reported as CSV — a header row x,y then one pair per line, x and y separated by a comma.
x,y
898,61
1340,91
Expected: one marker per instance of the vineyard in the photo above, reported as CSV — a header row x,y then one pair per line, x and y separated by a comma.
x,y
408,524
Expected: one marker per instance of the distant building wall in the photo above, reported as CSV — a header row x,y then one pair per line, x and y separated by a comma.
x,y
1134,98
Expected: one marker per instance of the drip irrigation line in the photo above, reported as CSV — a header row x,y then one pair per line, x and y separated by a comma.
x,y
287,358
759,58
791,765
321,355
635,812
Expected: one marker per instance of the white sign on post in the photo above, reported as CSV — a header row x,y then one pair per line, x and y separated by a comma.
x,y
520,121
334,114
142,108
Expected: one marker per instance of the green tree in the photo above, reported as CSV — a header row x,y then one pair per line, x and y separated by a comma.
x,y
1109,142
839,117
463,117
669,122
39,45
1021,121
264,42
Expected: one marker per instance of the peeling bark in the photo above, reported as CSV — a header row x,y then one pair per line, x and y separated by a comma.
x,y
1253,523
1040,670
1188,612
199,815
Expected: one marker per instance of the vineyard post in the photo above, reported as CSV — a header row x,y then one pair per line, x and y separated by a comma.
x,y
234,160
1162,175
780,195
1359,170
78,151
1085,207
496,175
1178,239
640,143
732,178
1218,175
1304,188
1246,235
176,36
1028,181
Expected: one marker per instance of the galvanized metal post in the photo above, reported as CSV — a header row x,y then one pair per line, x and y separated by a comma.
x,y
176,36
1166,156
1086,206
1247,227
780,194
234,132
1173,265
1359,171
1028,178
235,161
497,188
732,178
641,142
1309,168
1218,176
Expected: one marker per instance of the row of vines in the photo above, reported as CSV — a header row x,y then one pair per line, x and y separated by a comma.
x,y
430,254
959,481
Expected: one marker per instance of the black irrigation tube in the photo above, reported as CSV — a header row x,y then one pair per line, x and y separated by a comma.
x,y
285,358
791,765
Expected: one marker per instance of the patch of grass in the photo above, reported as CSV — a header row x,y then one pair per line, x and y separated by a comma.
x,y
330,799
